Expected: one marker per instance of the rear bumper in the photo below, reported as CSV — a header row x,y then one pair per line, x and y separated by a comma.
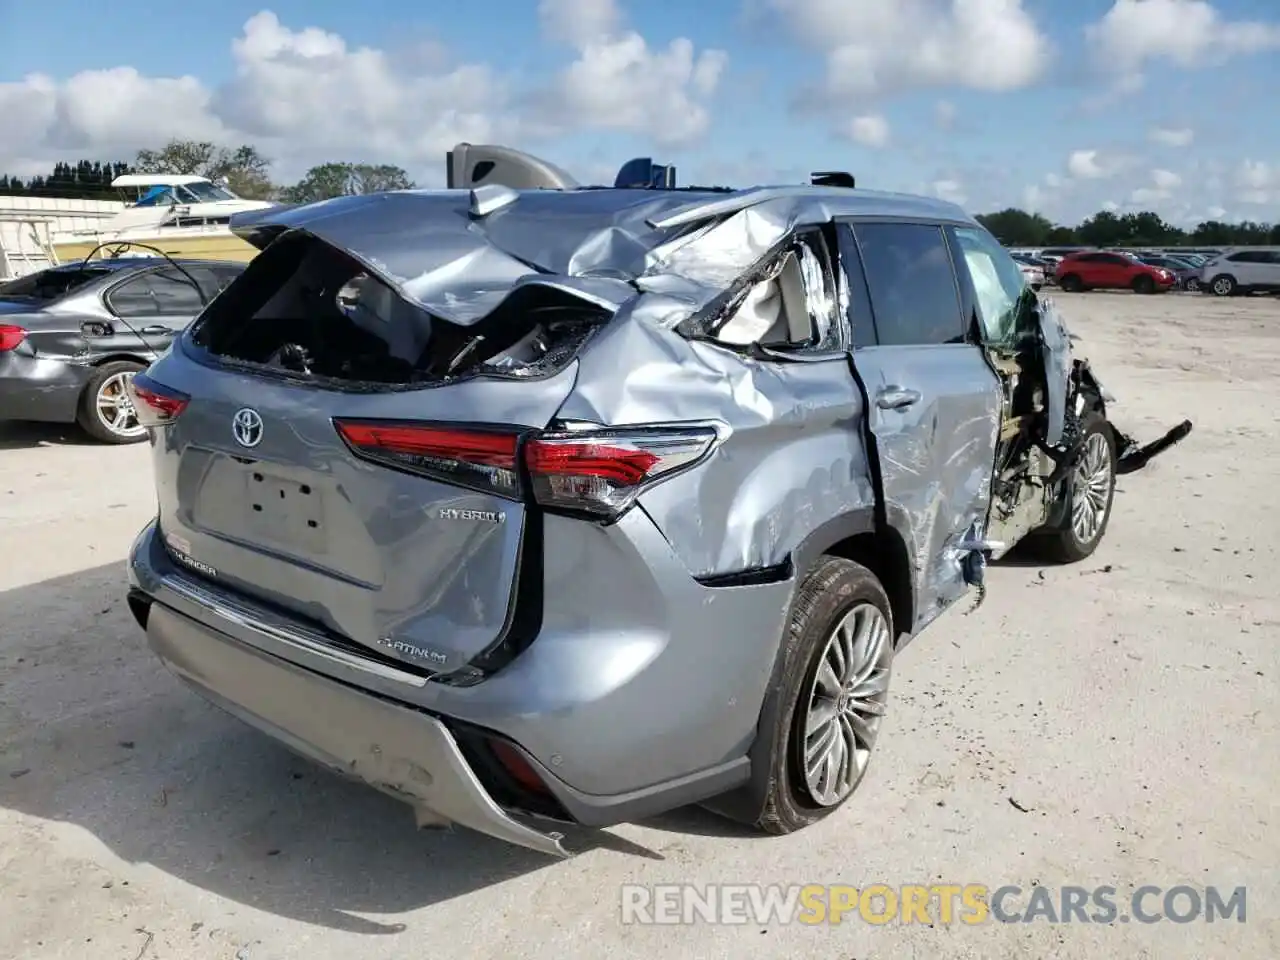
x,y
32,388
401,751
629,703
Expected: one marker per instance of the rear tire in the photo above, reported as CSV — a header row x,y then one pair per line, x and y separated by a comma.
x,y
1070,284
841,615
1224,285
1090,493
1143,284
106,412
1192,285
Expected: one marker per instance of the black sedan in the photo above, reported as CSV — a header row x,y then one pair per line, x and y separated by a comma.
x,y
72,336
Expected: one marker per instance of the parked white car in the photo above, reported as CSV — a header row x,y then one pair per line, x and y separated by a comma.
x,y
1032,273
1243,270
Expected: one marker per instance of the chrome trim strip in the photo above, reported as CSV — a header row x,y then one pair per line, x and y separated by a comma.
x,y
293,637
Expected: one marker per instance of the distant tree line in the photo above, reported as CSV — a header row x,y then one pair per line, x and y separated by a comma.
x,y
247,172
245,169
85,180
1018,228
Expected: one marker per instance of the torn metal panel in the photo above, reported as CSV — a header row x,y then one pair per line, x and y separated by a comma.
x,y
430,248
791,455
1055,347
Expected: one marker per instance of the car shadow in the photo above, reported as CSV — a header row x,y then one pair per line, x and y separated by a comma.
x,y
97,734
22,435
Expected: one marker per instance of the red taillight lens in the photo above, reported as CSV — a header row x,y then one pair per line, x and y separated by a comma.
x,y
480,460
154,403
10,337
600,473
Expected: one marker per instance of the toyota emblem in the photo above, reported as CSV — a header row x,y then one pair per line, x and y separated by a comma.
x,y
247,427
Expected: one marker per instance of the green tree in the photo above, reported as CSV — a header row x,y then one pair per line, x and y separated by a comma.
x,y
1017,228
330,180
244,168
1103,229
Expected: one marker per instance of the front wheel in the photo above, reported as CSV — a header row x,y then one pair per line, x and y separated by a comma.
x,y
106,411
1224,285
1070,284
822,717
1144,284
1090,489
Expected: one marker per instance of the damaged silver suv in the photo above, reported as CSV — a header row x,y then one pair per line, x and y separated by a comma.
x,y
568,506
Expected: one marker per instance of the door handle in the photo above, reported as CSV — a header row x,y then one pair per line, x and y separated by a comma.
x,y
154,330
896,398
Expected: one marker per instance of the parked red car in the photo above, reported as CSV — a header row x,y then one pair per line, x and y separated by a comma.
x,y
1097,270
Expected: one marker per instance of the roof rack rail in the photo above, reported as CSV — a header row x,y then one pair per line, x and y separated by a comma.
x,y
832,178
734,203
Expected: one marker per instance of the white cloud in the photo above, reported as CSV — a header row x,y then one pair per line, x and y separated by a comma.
x,y
1188,33
305,96
875,49
100,109
1172,136
1257,182
579,22
871,130
1165,179
310,89
619,83
951,190
1084,164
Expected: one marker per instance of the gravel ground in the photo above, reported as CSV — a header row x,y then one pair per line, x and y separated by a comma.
x,y
1109,723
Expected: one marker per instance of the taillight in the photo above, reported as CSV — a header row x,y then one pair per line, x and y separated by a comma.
x,y
10,337
601,473
597,473
479,460
154,403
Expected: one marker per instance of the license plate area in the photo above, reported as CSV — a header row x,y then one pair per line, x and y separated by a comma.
x,y
284,511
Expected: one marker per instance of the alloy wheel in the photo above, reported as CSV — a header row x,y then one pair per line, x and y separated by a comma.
x,y
845,704
1091,489
115,409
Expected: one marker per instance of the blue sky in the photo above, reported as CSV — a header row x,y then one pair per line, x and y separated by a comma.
x,y
1160,104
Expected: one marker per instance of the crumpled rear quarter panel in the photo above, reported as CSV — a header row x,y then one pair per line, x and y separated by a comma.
x,y
792,457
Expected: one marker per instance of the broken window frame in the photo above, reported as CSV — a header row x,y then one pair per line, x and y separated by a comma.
x,y
828,314
255,290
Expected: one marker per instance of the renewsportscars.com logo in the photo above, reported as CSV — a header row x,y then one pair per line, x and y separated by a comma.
x,y
930,904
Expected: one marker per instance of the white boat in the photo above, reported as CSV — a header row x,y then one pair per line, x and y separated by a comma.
x,y
181,215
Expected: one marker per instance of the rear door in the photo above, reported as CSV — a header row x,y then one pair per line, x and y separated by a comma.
x,y
1250,267
934,402
155,306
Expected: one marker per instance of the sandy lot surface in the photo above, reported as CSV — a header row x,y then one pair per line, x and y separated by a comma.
x,y
1127,704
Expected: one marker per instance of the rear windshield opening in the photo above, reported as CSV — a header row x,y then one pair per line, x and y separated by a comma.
x,y
50,285
306,309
